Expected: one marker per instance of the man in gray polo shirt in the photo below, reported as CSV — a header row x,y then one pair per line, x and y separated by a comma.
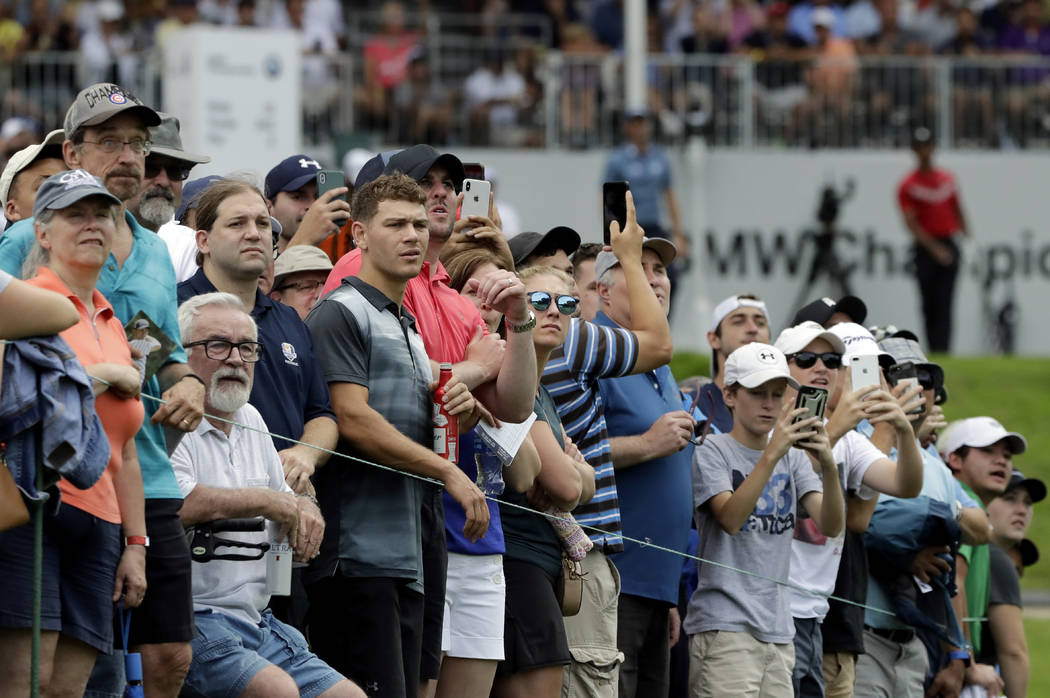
x,y
368,575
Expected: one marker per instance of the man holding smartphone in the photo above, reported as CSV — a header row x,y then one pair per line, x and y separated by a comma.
x,y
292,197
651,444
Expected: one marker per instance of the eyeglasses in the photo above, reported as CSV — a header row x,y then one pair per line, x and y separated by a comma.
x,y
176,173
302,286
541,300
807,359
220,349
115,145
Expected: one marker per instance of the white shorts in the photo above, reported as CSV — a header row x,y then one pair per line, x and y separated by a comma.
x,y
475,604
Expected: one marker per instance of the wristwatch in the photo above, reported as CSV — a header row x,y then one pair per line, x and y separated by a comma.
x,y
525,326
136,540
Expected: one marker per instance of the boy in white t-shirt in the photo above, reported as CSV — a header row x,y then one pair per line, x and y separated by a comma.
x,y
816,357
747,488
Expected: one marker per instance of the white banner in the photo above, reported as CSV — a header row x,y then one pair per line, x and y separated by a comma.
x,y
237,94
752,216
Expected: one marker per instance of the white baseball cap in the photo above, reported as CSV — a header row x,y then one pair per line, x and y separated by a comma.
x,y
24,158
754,364
797,338
732,303
859,342
979,432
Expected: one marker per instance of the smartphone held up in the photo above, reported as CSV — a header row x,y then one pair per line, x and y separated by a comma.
x,y
614,206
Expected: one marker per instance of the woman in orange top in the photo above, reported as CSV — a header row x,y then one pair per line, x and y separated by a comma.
x,y
85,571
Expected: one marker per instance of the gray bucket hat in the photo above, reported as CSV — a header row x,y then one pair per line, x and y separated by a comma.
x,y
167,141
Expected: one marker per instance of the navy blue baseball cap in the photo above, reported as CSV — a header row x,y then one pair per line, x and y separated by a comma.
x,y
373,168
191,193
290,174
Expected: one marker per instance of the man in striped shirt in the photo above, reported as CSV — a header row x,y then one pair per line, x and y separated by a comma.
x,y
591,352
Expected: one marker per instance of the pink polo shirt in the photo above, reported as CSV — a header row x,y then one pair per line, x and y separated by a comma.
x,y
446,320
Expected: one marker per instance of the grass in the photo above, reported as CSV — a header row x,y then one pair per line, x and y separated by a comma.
x,y
1014,391
1037,632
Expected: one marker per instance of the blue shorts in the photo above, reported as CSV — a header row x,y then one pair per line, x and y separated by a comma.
x,y
80,556
228,652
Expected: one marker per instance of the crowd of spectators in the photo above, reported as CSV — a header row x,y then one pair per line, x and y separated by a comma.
x,y
474,72
219,357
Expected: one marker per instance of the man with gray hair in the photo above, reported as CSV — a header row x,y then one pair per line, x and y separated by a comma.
x,y
106,131
228,468
650,442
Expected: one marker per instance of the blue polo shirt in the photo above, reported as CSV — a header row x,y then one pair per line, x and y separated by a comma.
x,y
146,282
649,174
289,388
655,497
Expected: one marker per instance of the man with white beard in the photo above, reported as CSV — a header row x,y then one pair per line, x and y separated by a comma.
x,y
167,167
228,468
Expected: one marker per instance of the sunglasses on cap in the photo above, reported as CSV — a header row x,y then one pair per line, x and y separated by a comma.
x,y
541,300
807,359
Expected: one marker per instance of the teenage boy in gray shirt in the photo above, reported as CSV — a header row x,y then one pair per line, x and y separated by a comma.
x,y
747,488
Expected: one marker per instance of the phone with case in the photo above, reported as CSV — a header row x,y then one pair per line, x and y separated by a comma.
x,y
904,372
814,399
475,198
328,180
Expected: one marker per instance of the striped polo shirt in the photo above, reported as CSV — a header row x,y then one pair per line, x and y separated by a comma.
x,y
571,375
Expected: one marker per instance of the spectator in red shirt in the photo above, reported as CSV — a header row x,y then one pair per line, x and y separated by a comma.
x,y
386,59
929,202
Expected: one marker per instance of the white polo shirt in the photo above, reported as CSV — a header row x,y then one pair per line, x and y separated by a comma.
x,y
246,458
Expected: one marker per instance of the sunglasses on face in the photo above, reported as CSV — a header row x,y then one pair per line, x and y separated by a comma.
x,y
176,173
541,300
807,359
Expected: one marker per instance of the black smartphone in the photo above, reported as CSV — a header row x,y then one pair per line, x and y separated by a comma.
x,y
814,399
904,372
328,180
473,170
614,206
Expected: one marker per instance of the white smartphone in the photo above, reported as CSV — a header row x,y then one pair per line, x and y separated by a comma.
x,y
864,371
475,198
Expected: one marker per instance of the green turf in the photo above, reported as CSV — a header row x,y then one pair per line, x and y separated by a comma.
x,y
1037,632
1014,391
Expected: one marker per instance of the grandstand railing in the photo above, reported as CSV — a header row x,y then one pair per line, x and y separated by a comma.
x,y
575,101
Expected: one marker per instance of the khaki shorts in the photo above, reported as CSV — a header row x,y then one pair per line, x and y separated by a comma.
x,y
595,668
840,671
724,663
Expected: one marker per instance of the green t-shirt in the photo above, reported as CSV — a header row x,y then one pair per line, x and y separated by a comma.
x,y
978,578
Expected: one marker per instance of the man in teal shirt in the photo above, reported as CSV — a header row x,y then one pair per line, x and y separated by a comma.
x,y
106,131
